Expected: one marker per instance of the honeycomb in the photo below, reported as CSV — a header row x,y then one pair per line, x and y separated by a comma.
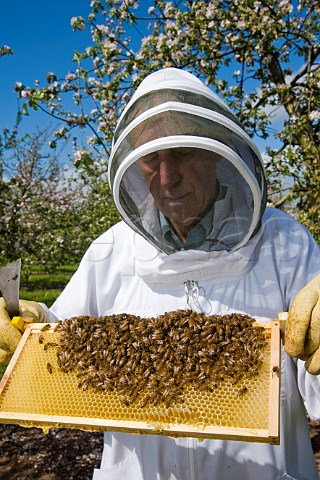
x,y
35,392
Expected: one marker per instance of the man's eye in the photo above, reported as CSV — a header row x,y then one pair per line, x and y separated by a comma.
x,y
185,152
149,158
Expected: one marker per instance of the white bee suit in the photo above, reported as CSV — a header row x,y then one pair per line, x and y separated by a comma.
x,y
122,272
252,261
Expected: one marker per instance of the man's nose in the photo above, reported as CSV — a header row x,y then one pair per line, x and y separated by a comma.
x,y
169,171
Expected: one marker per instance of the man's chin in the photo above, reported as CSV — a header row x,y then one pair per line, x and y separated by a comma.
x,y
185,223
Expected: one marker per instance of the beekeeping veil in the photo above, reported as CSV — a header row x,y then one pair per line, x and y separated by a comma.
x,y
174,109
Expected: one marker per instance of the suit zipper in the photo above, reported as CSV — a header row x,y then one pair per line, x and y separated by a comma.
x,y
191,290
191,458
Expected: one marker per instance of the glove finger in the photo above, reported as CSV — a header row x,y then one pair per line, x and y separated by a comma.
x,y
299,317
312,341
4,315
30,309
29,319
9,335
5,356
313,363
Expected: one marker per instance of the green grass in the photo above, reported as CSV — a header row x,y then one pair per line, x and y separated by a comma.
x,y
63,268
2,369
43,296
48,279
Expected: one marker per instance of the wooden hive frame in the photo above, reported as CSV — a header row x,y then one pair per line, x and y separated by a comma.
x,y
33,408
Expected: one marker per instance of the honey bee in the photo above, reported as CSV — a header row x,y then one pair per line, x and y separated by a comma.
x,y
242,391
83,384
236,380
144,402
49,367
46,327
49,344
124,400
161,355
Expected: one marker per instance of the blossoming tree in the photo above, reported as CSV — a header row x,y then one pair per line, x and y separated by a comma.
x,y
262,56
48,214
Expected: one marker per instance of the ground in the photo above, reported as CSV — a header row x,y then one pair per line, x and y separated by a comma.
x,y
315,439
29,454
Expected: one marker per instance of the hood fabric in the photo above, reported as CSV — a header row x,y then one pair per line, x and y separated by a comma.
x,y
173,110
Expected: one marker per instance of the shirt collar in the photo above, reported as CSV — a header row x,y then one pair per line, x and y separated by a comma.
x,y
195,237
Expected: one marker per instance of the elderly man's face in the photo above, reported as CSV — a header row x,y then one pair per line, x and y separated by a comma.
x,y
182,182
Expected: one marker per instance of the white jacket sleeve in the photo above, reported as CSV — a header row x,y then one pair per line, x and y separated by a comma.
x,y
307,267
309,386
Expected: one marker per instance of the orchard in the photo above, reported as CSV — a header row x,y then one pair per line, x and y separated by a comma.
x,y
262,57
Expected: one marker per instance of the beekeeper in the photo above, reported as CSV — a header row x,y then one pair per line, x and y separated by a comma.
x,y
190,186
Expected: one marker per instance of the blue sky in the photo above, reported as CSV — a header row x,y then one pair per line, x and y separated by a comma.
x,y
40,34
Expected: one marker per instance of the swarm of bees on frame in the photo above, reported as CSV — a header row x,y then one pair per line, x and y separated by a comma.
x,y
162,356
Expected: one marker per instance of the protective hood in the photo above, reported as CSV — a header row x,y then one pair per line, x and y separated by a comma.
x,y
174,115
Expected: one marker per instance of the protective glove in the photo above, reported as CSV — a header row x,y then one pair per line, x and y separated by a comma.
x,y
10,336
302,336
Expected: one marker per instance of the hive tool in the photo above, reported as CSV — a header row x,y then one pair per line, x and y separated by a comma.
x,y
9,286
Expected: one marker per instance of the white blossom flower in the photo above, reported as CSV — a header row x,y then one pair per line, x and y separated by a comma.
x,y
315,115
17,86
91,140
70,76
287,4
5,50
241,25
103,29
78,23
210,11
